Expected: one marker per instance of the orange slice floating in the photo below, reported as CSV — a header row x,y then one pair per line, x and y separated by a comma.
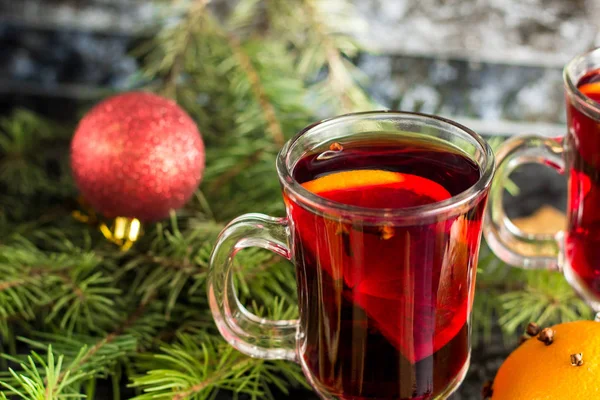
x,y
353,179
592,88
379,269
371,178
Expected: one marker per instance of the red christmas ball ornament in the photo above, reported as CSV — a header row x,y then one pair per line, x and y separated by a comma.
x,y
137,155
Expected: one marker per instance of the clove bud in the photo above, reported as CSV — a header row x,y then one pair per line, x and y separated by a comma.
x,y
486,390
577,359
546,336
533,329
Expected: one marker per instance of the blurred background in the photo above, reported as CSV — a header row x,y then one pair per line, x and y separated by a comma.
x,y
494,65
493,62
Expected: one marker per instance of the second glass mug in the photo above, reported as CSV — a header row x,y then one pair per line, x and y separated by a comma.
x,y
381,316
576,250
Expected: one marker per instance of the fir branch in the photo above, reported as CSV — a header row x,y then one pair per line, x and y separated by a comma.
x,y
338,77
493,278
87,357
82,363
511,187
263,267
320,31
154,330
184,264
85,300
183,256
247,162
188,26
264,277
117,335
200,386
134,316
23,167
197,366
33,385
11,284
546,299
267,107
32,279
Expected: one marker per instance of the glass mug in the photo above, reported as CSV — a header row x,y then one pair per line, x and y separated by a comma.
x,y
576,250
385,294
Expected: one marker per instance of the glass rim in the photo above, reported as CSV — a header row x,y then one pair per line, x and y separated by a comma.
x,y
316,203
581,99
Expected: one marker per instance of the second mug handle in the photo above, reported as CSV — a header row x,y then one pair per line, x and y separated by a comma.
x,y
509,243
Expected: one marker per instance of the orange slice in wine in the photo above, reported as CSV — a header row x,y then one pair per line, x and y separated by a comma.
x,y
590,89
371,179
377,268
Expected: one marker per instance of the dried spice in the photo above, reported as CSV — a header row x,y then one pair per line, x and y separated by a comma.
x,y
487,390
335,146
386,232
533,329
546,336
577,359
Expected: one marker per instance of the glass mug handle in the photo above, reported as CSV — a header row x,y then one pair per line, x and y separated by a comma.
x,y
248,333
509,243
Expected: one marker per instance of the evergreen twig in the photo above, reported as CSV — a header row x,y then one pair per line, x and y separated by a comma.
x,y
192,17
257,88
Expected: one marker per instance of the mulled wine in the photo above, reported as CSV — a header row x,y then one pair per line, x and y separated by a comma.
x,y
384,306
583,158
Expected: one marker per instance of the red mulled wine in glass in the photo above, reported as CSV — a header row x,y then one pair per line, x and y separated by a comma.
x,y
387,304
583,231
384,215
576,250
